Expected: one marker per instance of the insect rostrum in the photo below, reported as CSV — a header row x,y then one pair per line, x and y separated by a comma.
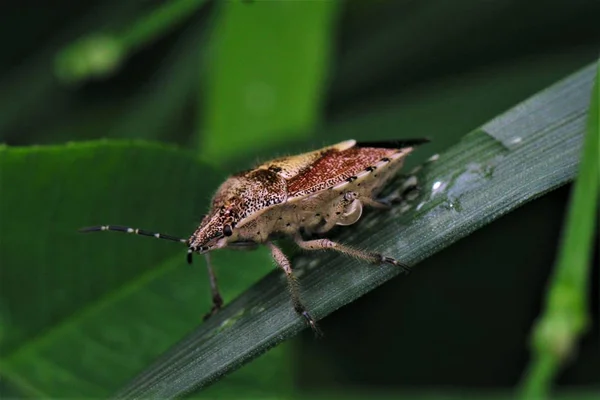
x,y
295,196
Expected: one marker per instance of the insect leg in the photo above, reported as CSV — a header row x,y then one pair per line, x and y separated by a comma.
x,y
217,300
330,222
382,204
326,244
407,191
408,184
284,263
243,245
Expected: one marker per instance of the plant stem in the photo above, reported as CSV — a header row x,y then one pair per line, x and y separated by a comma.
x,y
101,53
565,318
157,22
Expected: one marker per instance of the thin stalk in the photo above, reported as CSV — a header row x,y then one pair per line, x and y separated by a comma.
x,y
565,318
101,53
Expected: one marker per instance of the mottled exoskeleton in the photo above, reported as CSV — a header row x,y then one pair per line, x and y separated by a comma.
x,y
295,196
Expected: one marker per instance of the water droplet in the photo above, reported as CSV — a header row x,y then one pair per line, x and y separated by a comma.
x,y
453,205
438,187
516,140
314,263
231,320
257,310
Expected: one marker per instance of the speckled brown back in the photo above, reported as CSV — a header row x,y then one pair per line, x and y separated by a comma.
x,y
334,167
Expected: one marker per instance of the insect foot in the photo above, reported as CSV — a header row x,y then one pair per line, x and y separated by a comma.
x,y
216,307
311,322
388,260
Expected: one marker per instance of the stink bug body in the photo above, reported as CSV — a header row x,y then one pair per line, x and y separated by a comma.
x,y
295,196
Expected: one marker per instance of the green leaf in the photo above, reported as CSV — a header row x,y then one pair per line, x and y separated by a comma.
x,y
81,314
514,158
261,83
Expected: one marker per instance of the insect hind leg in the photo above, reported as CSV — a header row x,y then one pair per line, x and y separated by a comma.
x,y
327,244
407,186
407,190
294,287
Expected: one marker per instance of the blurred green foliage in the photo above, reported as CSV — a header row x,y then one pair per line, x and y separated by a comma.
x,y
269,85
230,82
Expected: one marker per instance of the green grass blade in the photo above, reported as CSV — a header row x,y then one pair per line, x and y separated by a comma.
x,y
99,54
515,158
268,86
565,317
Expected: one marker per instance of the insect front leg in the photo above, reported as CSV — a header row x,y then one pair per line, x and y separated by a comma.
x,y
217,300
326,244
244,246
284,263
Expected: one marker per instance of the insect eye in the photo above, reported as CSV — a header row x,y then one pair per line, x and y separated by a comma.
x,y
227,231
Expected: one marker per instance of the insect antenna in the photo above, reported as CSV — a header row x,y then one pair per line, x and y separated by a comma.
x,y
126,229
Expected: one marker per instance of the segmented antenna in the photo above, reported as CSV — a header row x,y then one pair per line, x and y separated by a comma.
x,y
126,229
135,231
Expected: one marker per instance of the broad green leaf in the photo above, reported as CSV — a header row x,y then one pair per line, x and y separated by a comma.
x,y
514,158
266,74
81,314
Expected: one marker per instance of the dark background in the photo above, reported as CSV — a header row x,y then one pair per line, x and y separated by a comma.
x,y
431,68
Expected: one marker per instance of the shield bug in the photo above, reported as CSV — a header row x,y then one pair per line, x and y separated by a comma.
x,y
295,196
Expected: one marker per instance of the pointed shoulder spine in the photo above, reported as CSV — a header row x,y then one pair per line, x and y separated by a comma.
x,y
394,144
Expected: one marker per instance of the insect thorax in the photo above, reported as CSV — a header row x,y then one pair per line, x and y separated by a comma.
x,y
237,199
